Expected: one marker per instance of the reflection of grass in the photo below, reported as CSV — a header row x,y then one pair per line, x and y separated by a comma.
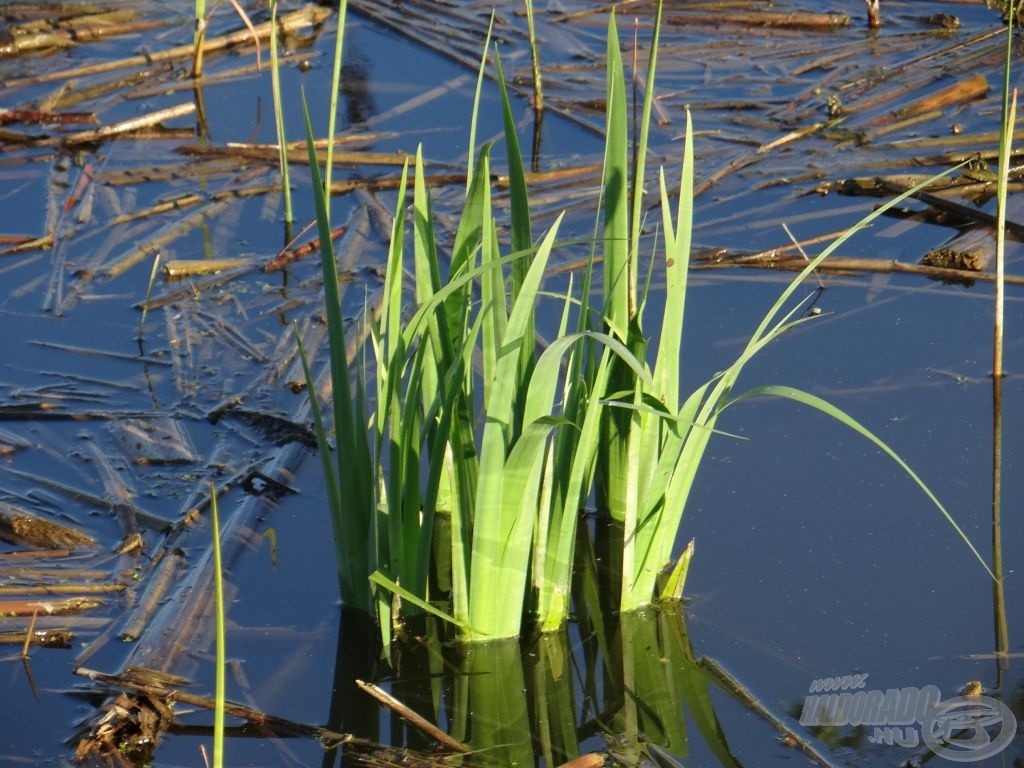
x,y
589,414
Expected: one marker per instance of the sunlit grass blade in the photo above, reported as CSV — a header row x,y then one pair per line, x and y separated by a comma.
x,y
339,47
221,644
501,543
813,401
282,137
381,580
677,269
475,114
618,292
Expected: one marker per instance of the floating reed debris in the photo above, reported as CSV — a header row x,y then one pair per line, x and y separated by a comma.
x,y
56,637
974,87
49,607
20,526
776,19
180,268
128,126
310,15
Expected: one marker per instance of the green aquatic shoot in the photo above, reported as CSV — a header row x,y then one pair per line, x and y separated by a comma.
x,y
339,47
587,415
1008,121
221,650
282,136
199,38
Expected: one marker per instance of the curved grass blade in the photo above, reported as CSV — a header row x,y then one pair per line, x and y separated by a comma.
x,y
805,398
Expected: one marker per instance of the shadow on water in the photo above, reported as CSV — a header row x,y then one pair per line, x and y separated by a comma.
x,y
815,559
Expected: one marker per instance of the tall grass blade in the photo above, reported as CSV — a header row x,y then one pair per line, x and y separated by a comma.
x,y
282,138
805,398
475,114
339,47
355,472
617,291
501,538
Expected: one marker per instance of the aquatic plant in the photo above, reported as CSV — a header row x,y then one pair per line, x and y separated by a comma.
x,y
221,644
587,413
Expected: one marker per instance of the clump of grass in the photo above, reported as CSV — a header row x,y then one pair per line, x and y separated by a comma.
x,y
589,411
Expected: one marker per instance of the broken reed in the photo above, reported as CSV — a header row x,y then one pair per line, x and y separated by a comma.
x,y
587,414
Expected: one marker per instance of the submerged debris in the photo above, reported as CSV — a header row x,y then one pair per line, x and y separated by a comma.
x,y
159,440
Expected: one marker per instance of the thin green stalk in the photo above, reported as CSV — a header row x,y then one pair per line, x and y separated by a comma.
x,y
218,591
282,140
149,292
198,38
339,44
538,84
476,104
1007,122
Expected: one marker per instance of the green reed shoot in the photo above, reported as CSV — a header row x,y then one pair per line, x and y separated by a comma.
x,y
588,411
538,83
199,38
339,46
282,136
221,652
1007,124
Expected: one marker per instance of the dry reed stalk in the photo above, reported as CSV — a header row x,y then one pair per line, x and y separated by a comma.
x,y
128,126
412,717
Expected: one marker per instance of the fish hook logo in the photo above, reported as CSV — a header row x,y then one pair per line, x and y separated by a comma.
x,y
958,729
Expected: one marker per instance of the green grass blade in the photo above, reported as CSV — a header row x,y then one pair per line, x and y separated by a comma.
x,y
617,290
282,136
221,654
639,171
332,119
356,471
522,235
330,470
677,267
474,115
805,398
381,580
835,244
496,558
